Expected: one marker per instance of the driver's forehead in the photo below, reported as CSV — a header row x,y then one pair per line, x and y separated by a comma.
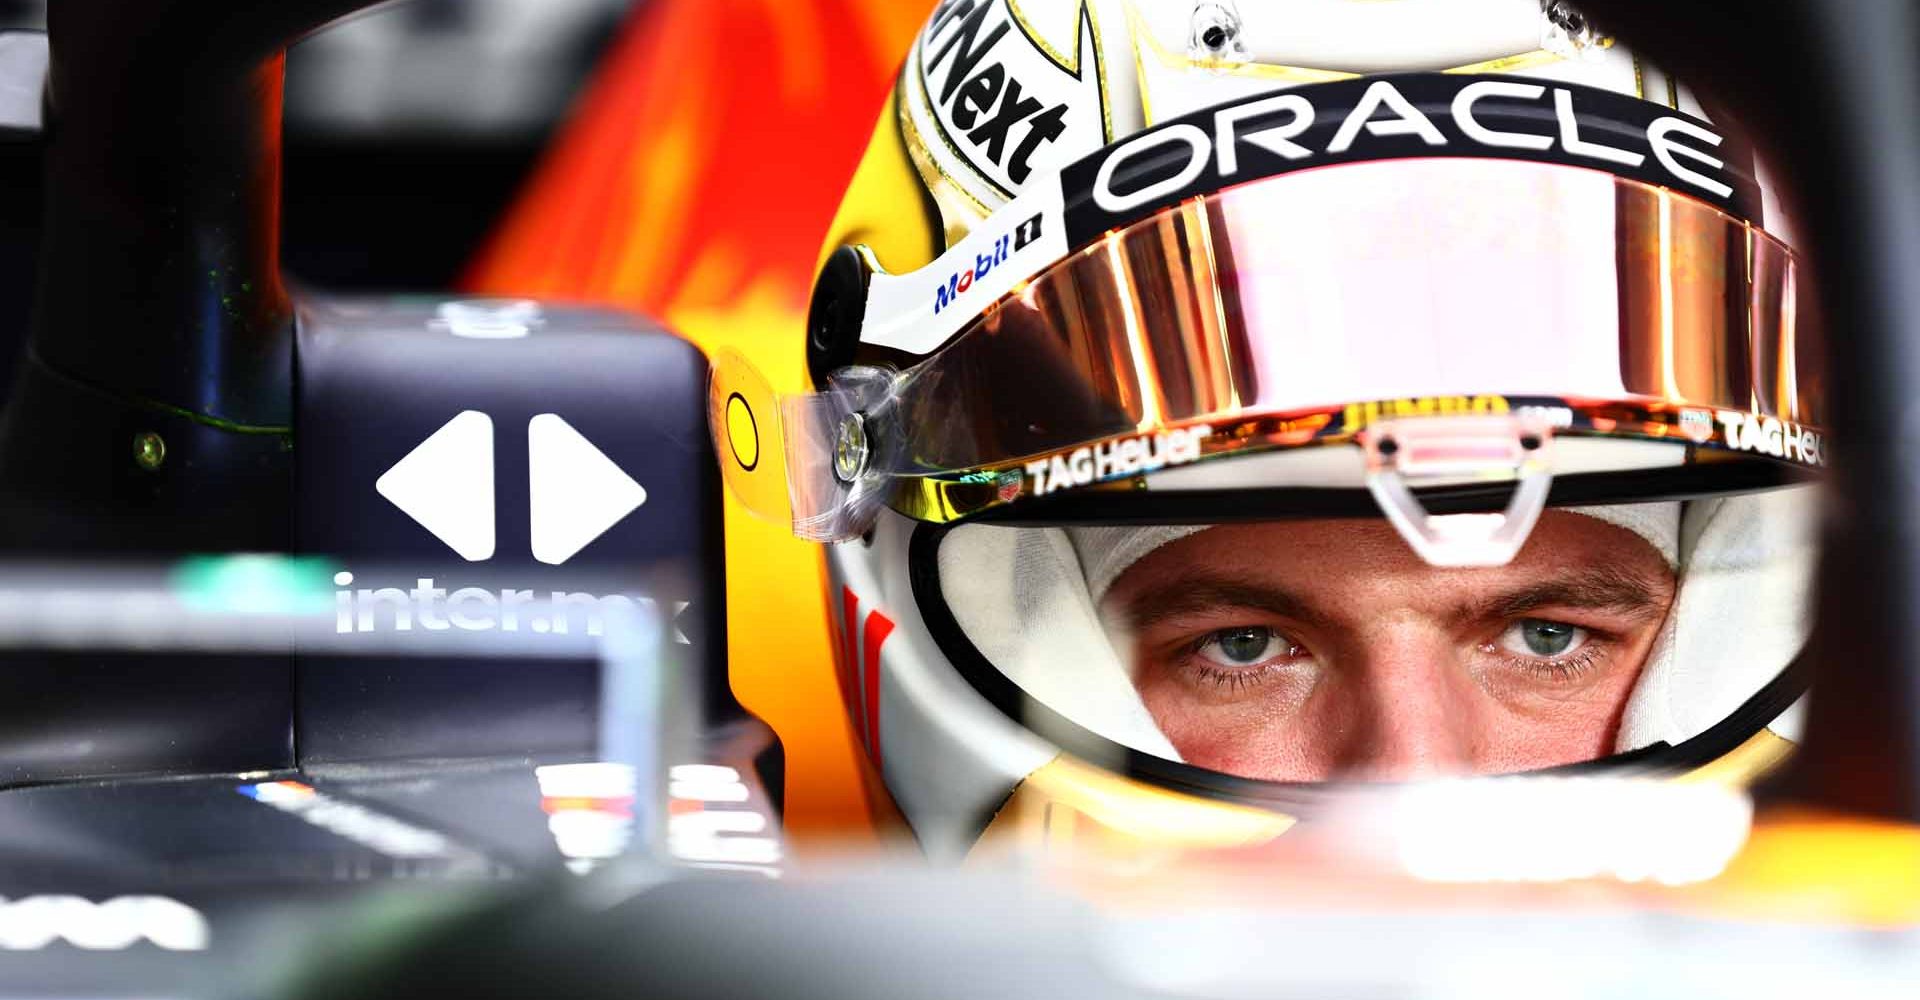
x,y
1349,563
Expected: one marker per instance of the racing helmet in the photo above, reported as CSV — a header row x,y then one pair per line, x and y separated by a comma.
x,y
1213,401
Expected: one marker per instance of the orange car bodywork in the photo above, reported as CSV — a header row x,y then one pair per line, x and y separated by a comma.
x,y
695,183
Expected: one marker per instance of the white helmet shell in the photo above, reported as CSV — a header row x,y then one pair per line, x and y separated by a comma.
x,y
997,93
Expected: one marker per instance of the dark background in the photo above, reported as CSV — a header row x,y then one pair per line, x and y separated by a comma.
x,y
408,131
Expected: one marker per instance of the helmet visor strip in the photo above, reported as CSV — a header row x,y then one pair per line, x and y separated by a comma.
x,y
1296,310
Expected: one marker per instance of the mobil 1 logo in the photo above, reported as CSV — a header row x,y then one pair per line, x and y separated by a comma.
x,y
1402,116
1000,100
1003,250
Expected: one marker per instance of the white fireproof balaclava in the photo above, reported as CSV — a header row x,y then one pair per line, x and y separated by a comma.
x,y
1740,614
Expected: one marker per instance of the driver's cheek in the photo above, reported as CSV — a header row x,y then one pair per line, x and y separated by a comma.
x,y
1553,720
1245,733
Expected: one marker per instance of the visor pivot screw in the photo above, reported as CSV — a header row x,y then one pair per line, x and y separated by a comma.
x,y
1387,446
149,450
850,451
1215,33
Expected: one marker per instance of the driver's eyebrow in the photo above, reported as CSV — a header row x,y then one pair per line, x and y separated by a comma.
x,y
1198,593
1595,588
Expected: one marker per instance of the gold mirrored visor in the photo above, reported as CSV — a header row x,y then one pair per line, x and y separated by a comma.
x,y
1269,314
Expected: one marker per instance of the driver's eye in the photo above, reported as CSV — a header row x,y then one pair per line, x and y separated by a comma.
x,y
1245,645
1242,647
1545,638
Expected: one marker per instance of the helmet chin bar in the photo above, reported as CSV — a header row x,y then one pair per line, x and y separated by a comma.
x,y
1405,454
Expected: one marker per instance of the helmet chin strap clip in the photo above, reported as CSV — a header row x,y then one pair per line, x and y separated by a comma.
x,y
1415,452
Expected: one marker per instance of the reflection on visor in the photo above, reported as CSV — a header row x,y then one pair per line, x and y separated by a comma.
x,y
1254,318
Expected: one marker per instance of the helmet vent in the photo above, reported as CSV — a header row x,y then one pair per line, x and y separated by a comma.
x,y
1568,32
1215,33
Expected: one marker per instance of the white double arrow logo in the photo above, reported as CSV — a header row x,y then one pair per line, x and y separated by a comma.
x,y
575,491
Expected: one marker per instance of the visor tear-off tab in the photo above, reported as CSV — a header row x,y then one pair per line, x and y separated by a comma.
x,y
1403,454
